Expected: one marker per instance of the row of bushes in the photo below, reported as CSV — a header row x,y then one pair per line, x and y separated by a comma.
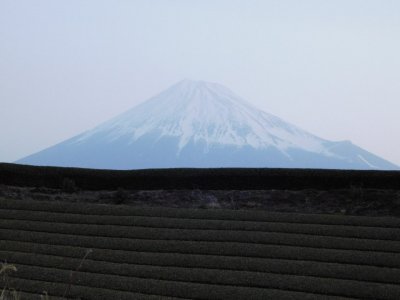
x,y
213,248
223,179
33,290
214,266
62,255
204,284
377,233
93,232
200,214
96,283
201,264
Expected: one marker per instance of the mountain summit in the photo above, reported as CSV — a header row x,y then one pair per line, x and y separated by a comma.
x,y
202,124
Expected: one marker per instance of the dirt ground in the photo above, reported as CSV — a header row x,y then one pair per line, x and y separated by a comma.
x,y
353,201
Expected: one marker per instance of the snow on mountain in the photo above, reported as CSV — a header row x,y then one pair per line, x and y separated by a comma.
x,y
209,112
202,124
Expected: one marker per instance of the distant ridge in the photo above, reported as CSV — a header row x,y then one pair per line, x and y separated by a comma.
x,y
207,179
202,125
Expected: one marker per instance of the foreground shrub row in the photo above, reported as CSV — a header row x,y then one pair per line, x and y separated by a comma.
x,y
377,233
206,284
224,255
198,214
115,233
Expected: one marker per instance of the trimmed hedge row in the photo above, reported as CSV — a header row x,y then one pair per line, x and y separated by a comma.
x,y
224,178
78,291
273,285
384,259
34,295
376,233
281,266
210,274
195,235
205,214
206,254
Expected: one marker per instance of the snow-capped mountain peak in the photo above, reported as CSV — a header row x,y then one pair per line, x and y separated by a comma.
x,y
200,111
202,124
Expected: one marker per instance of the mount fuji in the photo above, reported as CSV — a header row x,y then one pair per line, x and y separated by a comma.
x,y
205,125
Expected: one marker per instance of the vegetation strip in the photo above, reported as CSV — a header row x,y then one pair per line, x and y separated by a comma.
x,y
316,270
160,253
223,278
77,291
208,214
188,178
137,233
106,294
227,249
36,296
197,289
376,233
283,266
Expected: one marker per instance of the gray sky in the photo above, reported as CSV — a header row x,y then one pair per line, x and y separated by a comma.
x,y
331,67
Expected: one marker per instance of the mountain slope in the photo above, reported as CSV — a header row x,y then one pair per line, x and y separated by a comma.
x,y
201,124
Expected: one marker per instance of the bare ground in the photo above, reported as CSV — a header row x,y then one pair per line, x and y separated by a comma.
x,y
353,201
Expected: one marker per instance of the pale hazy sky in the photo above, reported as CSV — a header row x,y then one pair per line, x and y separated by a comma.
x,y
331,67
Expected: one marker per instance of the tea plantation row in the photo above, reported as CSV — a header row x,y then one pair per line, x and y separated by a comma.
x,y
159,253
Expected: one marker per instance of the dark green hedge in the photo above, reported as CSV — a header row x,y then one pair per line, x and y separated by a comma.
x,y
270,286
77,292
377,233
200,214
386,259
52,254
129,233
168,268
246,178
107,293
